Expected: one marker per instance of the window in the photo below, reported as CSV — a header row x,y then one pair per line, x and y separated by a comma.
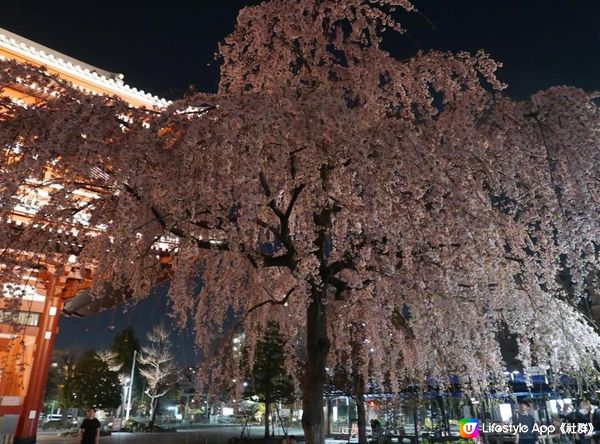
x,y
19,318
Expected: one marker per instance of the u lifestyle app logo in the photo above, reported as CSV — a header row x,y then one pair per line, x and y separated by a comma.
x,y
468,428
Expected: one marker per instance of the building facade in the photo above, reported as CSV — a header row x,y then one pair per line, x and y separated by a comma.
x,y
31,303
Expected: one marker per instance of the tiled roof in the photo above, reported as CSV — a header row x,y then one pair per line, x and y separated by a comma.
x,y
105,80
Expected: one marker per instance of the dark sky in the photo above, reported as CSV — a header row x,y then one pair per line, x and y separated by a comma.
x,y
164,46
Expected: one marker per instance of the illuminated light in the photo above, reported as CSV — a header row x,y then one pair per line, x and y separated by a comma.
x,y
52,311
47,334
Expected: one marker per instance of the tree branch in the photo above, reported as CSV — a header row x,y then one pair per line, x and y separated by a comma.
x,y
161,219
270,301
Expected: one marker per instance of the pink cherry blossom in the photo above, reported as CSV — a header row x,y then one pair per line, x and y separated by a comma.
x,y
327,185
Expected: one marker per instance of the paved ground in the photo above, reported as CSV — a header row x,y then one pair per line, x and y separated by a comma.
x,y
216,435
150,438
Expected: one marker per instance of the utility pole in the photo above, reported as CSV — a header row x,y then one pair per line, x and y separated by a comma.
x,y
130,385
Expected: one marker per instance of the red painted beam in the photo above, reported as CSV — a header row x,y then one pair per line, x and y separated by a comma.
x,y
10,410
32,405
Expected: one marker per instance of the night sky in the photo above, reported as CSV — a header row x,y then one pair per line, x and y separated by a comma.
x,y
165,47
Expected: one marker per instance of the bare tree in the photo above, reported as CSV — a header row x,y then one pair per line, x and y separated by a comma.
x,y
110,357
157,367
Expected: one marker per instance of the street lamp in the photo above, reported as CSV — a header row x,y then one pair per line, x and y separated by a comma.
x,y
130,385
125,395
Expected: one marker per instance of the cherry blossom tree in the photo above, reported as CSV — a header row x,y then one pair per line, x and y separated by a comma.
x,y
327,184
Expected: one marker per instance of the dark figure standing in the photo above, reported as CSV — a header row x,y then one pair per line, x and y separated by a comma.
x,y
582,417
89,430
376,432
291,440
525,419
596,424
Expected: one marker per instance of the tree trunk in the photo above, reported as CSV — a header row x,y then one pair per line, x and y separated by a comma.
x,y
155,402
64,419
317,345
267,414
361,411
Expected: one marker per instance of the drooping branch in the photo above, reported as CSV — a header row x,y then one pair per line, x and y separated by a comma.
x,y
271,301
162,220
550,161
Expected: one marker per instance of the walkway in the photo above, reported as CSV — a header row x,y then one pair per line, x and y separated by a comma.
x,y
205,435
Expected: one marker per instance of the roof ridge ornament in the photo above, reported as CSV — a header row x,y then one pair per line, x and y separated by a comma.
x,y
113,82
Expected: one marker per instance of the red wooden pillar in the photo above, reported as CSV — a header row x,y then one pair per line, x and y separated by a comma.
x,y
33,403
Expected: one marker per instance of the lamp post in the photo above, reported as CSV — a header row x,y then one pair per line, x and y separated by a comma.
x,y
125,396
128,409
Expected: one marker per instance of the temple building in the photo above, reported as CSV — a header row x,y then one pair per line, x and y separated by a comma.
x,y
31,305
